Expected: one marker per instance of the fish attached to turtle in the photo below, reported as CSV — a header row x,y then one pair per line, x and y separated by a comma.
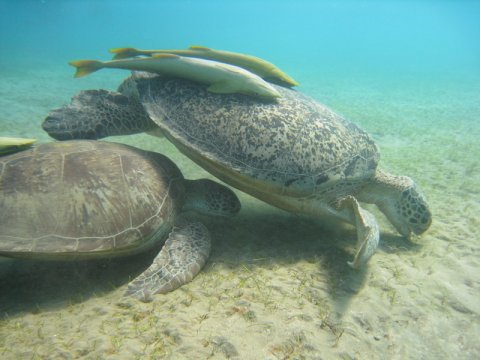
x,y
13,144
266,70
222,78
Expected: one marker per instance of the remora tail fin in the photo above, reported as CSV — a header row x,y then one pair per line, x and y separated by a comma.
x,y
85,67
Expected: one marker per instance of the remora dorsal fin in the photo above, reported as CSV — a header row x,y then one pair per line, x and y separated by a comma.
x,y
157,55
197,47
123,53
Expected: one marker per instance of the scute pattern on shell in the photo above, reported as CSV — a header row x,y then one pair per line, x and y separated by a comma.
x,y
294,143
85,197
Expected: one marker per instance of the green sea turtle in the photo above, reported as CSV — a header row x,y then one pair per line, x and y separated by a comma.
x,y
295,153
91,199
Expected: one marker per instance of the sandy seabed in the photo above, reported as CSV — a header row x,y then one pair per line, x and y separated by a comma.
x,y
277,286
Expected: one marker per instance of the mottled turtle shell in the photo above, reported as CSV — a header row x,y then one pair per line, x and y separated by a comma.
x,y
85,198
293,146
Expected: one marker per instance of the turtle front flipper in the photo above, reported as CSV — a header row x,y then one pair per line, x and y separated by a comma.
x,y
95,114
368,233
181,258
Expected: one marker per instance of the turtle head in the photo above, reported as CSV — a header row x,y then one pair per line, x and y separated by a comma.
x,y
401,200
413,213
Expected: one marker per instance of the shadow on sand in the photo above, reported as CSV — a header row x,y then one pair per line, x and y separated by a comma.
x,y
256,233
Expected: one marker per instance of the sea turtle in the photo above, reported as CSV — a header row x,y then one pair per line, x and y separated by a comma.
x,y
91,199
293,152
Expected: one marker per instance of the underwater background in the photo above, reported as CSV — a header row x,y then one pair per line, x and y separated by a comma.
x,y
277,285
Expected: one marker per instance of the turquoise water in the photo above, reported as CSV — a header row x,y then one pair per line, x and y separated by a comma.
x,y
358,36
276,285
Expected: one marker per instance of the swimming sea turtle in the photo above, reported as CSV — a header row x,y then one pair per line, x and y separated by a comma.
x,y
92,199
293,153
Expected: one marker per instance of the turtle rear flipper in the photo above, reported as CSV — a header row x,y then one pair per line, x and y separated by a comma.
x,y
95,114
184,254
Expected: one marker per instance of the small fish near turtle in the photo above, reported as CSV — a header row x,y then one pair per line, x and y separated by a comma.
x,y
10,145
222,78
294,153
266,70
108,200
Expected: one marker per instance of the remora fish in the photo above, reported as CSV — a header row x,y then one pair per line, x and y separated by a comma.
x,y
258,66
222,78
12,144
